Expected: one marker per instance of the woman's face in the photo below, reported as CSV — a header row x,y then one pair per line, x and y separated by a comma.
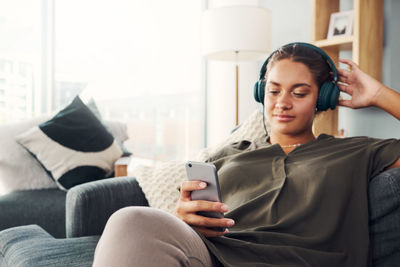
x,y
290,98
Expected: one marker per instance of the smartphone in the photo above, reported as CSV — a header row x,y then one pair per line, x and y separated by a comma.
x,y
206,172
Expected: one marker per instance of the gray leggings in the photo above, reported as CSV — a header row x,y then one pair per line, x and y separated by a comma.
x,y
143,236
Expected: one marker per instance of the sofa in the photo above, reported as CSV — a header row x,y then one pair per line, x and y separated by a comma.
x,y
28,193
44,207
90,205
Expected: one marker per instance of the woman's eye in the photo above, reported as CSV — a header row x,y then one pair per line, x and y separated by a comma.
x,y
273,92
300,94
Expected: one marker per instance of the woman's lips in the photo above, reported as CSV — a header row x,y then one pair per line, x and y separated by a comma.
x,y
284,118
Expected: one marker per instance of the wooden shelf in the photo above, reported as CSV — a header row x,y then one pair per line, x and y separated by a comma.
x,y
343,42
365,44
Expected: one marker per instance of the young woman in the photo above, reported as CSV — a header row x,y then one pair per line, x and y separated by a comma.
x,y
290,198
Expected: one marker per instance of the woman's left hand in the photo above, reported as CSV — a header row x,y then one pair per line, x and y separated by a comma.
x,y
363,89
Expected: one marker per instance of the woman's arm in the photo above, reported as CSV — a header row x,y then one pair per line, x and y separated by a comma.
x,y
366,91
187,209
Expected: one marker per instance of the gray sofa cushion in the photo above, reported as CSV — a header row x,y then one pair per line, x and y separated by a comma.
x,y
42,207
31,246
384,214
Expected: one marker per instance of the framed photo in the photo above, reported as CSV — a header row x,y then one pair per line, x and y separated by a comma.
x,y
340,24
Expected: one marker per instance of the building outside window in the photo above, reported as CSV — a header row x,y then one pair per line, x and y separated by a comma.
x,y
20,35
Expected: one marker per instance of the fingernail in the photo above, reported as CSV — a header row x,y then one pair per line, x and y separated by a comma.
x,y
224,208
203,185
230,222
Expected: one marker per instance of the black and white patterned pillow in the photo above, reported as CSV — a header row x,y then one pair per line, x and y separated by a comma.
x,y
74,147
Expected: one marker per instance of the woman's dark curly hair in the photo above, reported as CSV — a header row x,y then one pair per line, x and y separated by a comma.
x,y
315,62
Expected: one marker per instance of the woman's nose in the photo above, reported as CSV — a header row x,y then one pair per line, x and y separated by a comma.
x,y
283,101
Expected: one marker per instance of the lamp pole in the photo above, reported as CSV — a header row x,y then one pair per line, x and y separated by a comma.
x,y
237,89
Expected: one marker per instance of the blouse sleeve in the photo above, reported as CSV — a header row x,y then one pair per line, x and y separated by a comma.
x,y
384,153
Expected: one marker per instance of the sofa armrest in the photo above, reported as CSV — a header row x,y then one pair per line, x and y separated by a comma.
x,y
89,205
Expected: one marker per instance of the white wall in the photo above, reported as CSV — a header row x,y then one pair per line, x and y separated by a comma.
x,y
290,22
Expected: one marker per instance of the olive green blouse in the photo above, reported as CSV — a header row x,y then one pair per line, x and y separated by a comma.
x,y
307,208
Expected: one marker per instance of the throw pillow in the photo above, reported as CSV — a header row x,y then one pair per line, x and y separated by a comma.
x,y
74,147
160,182
18,169
117,129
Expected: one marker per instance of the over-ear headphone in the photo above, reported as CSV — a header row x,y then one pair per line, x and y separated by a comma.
x,y
328,93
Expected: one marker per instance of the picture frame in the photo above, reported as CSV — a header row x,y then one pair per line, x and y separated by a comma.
x,y
340,24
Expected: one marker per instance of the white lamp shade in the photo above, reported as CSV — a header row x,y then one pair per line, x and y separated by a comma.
x,y
231,29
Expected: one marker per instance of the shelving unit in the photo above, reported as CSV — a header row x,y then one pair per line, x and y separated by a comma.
x,y
365,43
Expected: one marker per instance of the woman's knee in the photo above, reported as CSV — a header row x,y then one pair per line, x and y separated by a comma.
x,y
128,216
141,217
136,231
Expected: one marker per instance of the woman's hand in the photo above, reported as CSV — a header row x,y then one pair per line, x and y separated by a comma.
x,y
186,210
365,91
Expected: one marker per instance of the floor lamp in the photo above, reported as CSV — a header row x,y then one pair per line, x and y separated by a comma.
x,y
236,33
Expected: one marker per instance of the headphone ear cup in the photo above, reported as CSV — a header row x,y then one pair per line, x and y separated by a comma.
x,y
328,96
334,96
259,91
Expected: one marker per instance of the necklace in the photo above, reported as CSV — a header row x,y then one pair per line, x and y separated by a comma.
x,y
295,145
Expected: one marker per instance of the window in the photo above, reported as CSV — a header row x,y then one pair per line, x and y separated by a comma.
x,y
20,58
139,60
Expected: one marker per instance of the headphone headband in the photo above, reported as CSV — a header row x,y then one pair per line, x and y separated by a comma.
x,y
315,48
328,94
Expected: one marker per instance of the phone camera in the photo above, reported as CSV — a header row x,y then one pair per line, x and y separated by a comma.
x,y
190,165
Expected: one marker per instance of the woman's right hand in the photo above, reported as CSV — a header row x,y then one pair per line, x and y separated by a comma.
x,y
186,210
